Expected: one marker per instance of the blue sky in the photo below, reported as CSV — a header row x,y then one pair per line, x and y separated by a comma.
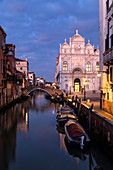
x,y
37,27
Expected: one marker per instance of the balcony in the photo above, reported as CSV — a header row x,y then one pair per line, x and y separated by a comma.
x,y
110,8
110,12
108,55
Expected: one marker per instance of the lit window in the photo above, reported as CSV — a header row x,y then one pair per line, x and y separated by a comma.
x,y
88,66
65,66
97,66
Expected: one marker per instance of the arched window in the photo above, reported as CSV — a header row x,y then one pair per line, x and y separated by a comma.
x,y
88,66
64,50
88,51
97,66
65,66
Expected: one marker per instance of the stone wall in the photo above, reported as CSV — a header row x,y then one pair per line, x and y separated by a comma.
x,y
98,123
99,128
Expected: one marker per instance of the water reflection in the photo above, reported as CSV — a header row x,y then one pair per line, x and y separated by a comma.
x,y
36,103
14,119
76,152
28,125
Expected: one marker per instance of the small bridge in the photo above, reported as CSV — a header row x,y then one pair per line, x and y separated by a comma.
x,y
50,90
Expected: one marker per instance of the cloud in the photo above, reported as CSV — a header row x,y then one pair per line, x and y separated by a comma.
x,y
37,27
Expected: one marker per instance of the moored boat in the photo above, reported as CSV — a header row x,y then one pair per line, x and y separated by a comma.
x,y
62,119
47,96
57,99
75,134
65,111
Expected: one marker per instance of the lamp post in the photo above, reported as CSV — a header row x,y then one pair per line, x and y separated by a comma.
x,y
85,83
70,87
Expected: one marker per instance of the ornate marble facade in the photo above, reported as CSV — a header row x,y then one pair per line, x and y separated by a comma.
x,y
76,61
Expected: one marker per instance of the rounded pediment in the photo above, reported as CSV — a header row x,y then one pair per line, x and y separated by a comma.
x,y
65,45
77,38
89,46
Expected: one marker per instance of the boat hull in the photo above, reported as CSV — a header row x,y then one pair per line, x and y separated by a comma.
x,y
76,141
62,121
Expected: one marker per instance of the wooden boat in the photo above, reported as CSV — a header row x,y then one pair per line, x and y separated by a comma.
x,y
64,111
47,96
75,134
57,99
62,119
65,114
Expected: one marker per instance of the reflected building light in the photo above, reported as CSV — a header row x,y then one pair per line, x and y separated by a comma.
x,y
62,144
23,112
26,118
77,160
53,112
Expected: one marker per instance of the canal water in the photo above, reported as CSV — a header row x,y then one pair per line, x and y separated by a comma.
x,y
31,140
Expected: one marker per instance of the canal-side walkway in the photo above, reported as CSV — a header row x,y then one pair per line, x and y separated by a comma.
x,y
96,107
94,98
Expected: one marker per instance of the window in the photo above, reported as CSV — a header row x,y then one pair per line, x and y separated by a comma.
x,y
31,76
107,96
20,68
64,50
112,40
17,63
107,5
97,66
111,74
2,66
65,66
88,51
88,66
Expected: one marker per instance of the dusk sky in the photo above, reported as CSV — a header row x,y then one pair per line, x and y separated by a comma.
x,y
37,27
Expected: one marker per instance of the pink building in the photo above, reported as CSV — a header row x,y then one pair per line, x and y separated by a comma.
x,y
23,66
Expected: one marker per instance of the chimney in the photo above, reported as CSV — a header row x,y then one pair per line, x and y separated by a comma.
x,y
26,58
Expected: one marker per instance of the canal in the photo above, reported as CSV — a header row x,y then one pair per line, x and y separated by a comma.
x,y
31,140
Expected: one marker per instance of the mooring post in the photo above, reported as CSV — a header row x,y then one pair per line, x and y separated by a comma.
x,y
90,110
79,108
75,101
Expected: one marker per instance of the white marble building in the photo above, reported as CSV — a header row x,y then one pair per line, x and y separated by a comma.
x,y
76,61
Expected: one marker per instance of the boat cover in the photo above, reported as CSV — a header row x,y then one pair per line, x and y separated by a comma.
x,y
74,130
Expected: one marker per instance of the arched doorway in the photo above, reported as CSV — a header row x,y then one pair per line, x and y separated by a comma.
x,y
77,85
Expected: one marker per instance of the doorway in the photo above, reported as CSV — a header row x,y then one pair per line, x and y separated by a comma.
x,y
77,85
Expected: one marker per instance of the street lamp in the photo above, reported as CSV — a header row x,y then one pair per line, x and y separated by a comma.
x,y
99,73
85,83
70,87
